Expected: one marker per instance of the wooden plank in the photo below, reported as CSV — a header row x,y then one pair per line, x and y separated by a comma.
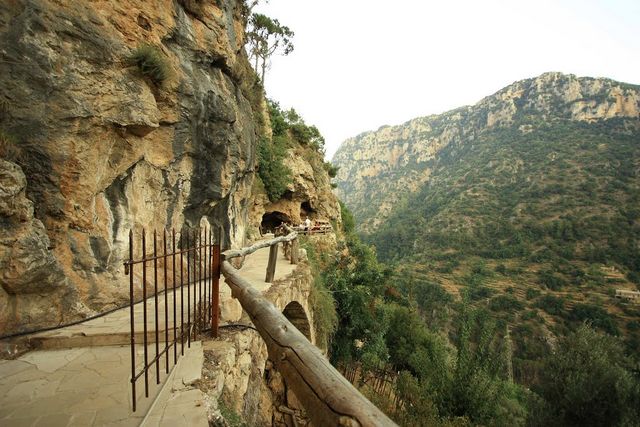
x,y
329,399
271,266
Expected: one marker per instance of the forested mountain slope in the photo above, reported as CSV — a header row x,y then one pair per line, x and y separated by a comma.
x,y
380,168
527,203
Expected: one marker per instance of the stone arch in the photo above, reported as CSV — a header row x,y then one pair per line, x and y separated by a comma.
x,y
294,312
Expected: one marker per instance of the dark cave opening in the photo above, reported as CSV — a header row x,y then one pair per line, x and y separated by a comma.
x,y
306,210
272,220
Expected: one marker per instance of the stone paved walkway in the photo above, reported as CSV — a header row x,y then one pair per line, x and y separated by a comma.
x,y
81,377
114,328
70,387
254,268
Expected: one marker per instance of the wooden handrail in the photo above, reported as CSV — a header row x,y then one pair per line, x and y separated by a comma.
x,y
328,398
234,253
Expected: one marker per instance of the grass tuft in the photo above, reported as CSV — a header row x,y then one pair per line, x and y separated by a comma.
x,y
151,63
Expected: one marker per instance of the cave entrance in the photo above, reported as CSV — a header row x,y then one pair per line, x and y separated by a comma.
x,y
306,210
273,220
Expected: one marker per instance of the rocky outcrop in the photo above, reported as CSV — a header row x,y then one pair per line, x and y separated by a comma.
x,y
309,194
30,276
380,169
105,150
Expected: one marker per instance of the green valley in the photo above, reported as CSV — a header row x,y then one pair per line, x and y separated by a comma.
x,y
509,228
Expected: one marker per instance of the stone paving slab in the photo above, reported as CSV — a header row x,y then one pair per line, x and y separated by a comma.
x,y
84,387
254,268
180,403
80,377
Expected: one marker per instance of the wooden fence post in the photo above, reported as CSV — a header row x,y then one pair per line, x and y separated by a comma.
x,y
271,267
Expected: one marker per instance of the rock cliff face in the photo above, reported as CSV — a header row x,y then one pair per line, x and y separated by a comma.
x,y
98,149
27,266
381,168
104,150
309,193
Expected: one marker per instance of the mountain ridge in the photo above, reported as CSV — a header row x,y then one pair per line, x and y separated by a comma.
x,y
526,204
412,145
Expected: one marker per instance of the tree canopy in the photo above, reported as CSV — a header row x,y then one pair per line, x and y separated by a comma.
x,y
265,36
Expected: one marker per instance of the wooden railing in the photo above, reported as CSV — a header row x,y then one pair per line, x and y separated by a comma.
x,y
328,398
314,229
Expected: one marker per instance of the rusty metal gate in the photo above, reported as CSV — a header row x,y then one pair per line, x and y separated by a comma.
x,y
179,283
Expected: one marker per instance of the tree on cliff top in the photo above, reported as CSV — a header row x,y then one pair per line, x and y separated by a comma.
x,y
264,37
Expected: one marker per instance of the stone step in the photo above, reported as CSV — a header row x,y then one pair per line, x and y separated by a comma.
x,y
179,402
64,339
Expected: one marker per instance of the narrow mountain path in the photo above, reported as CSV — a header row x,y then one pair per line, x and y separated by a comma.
x,y
81,375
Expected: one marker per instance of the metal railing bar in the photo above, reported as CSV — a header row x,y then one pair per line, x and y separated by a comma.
x,y
133,335
188,295
147,259
173,257
195,274
155,300
166,302
144,311
201,266
181,300
204,301
198,258
212,254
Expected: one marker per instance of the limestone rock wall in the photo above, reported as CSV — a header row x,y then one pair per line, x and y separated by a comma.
x,y
309,193
27,266
104,150
378,169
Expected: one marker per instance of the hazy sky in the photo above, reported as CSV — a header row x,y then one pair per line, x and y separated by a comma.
x,y
361,64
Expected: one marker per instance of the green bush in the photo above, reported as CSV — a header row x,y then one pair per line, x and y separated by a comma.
x,y
529,315
151,63
532,293
476,293
505,303
551,280
597,316
348,221
633,325
231,418
325,318
279,124
5,107
274,174
586,382
323,305
290,124
551,304
332,170
634,277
